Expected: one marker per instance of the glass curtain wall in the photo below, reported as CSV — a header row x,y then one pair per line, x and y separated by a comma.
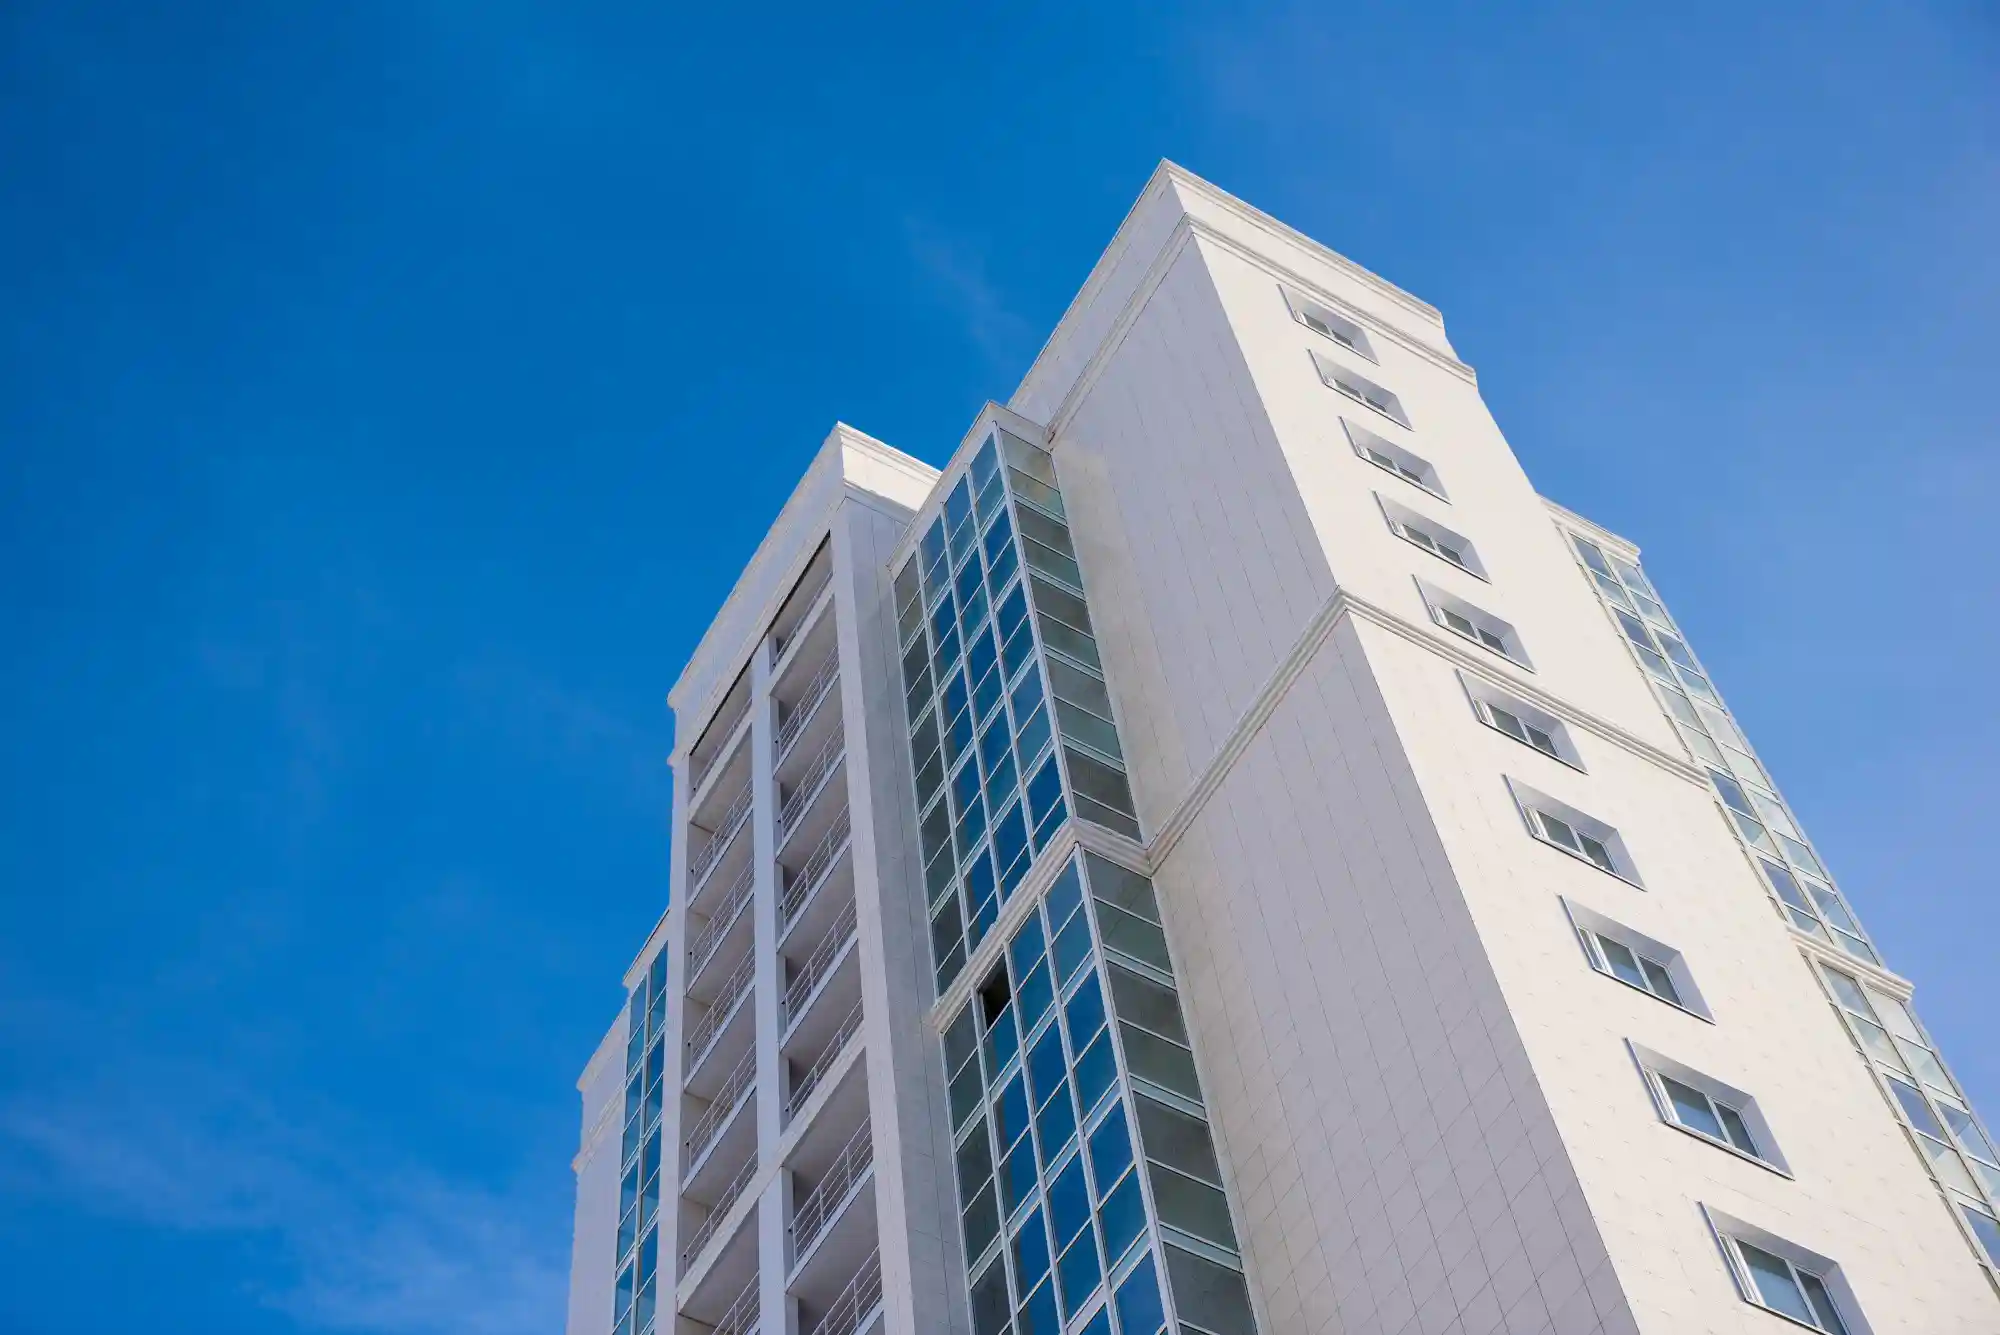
x,y
639,1158
1010,720
1932,1107
1090,1195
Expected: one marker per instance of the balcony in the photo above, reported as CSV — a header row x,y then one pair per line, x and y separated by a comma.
x,y
801,780
725,934
857,1307
814,977
741,1318
722,735
804,604
721,1127
795,717
822,866
835,1190
808,1081
718,1040
725,825
718,1213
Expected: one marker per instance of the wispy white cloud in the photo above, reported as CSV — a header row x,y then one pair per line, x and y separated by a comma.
x,y
954,268
373,1246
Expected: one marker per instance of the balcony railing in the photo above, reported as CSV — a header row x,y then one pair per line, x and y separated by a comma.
x,y
703,1036
701,1138
723,729
819,964
809,784
741,1318
704,862
816,1211
815,1073
808,705
710,936
817,865
856,1303
699,1238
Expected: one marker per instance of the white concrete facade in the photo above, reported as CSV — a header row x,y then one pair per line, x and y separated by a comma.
x,y
1433,1110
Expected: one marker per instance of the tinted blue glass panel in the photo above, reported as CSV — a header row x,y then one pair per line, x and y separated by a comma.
x,y
1055,1126
993,744
986,695
983,916
1000,1044
1018,1174
958,737
947,652
972,609
1000,569
1072,948
1026,947
1017,652
1045,791
1010,1110
1046,1066
1035,994
999,537
1038,1314
1050,823
1069,1203
986,463
1095,1070
1000,786
1031,1252
1028,695
1085,1013
971,827
965,787
1110,1150
1033,740
966,585
980,654
1080,1273
958,505
932,545
979,878
956,694
1012,613
1010,837
1099,1324
1065,896
1139,1308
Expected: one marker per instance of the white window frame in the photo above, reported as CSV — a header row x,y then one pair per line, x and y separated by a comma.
x,y
1731,1234
1439,603
1536,806
1593,928
1428,535
1359,388
1487,698
1393,459
1654,1067
1329,324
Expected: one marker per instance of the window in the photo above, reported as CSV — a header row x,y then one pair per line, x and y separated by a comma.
x,y
1393,458
1635,959
1705,1107
1432,536
1327,324
1361,389
1520,720
1562,826
1785,1278
1468,622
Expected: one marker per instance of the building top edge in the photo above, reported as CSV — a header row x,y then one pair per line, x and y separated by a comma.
x,y
1168,177
1563,514
900,478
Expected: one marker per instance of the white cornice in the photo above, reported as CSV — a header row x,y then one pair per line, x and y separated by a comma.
x,y
1318,630
1603,536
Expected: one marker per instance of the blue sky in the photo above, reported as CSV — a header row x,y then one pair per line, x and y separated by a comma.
x,y
389,393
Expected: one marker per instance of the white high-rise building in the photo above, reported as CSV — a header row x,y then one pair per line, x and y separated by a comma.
x,y
1227,855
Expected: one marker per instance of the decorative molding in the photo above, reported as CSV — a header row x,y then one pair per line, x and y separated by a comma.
x,y
1318,629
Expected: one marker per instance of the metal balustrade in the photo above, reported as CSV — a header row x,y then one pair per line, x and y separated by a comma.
x,y
724,731
816,1211
741,1318
815,869
703,948
702,1137
819,964
809,784
703,1036
857,1302
699,1238
815,1073
808,705
732,821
